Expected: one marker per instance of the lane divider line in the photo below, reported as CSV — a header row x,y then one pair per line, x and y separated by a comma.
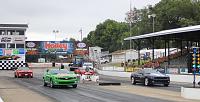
x,y
1,99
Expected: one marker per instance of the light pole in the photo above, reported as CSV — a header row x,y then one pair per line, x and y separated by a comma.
x,y
153,16
129,18
55,32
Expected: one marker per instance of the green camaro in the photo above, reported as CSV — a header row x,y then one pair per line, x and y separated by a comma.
x,y
60,77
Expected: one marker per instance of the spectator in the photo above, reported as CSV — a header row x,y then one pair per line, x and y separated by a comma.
x,y
122,64
62,66
53,64
126,64
26,65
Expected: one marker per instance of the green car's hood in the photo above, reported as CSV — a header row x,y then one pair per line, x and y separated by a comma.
x,y
64,75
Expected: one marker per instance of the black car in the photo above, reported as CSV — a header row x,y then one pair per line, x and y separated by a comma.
x,y
149,77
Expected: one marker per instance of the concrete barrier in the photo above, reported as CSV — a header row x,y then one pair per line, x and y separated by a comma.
x,y
113,68
114,73
173,77
46,65
183,78
190,93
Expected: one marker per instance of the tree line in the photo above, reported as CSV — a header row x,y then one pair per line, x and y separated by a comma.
x,y
169,14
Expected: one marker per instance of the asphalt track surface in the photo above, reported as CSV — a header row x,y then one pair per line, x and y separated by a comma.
x,y
87,92
174,86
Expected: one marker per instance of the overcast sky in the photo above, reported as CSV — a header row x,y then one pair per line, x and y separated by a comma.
x,y
67,16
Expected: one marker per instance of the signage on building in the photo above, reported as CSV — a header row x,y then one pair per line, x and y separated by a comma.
x,y
1,52
8,52
18,51
30,44
81,45
58,47
80,52
34,44
32,52
21,51
6,39
18,39
49,45
15,51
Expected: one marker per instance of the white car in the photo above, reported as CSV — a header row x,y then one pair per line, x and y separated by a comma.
x,y
88,64
104,60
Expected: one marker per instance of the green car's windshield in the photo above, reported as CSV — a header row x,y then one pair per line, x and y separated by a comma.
x,y
59,72
23,68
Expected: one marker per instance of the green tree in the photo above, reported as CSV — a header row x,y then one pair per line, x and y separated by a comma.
x,y
108,35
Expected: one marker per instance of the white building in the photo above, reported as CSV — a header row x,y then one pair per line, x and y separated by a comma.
x,y
12,40
124,55
12,45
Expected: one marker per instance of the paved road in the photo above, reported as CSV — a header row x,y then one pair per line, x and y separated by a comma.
x,y
174,86
86,92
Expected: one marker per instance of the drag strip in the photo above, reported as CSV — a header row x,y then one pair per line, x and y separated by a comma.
x,y
93,92
174,86
85,92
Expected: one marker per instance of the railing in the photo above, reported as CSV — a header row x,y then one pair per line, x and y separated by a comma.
x,y
156,63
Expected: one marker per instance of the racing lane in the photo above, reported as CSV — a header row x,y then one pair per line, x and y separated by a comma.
x,y
84,93
87,92
173,86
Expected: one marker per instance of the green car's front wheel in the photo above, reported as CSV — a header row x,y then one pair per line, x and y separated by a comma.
x,y
74,86
45,84
52,84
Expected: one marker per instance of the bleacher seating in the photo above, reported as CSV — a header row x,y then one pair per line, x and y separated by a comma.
x,y
175,59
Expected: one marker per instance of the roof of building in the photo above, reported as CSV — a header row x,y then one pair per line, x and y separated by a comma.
x,y
13,25
186,33
122,51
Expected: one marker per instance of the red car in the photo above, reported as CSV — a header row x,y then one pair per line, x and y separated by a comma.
x,y
83,71
23,72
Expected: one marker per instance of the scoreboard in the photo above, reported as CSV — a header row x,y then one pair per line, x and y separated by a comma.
x,y
196,60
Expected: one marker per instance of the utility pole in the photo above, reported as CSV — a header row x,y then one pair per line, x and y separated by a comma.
x,y
81,34
55,32
130,22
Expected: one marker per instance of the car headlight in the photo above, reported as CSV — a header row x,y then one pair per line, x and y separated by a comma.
x,y
168,78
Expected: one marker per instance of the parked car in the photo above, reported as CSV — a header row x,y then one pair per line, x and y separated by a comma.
x,y
60,77
150,77
23,72
104,60
88,64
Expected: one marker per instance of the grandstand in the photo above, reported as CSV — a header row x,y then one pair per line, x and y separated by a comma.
x,y
173,63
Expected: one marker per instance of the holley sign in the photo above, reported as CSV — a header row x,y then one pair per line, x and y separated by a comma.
x,y
49,45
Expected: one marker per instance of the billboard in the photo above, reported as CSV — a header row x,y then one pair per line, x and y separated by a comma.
x,y
1,52
18,39
60,47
